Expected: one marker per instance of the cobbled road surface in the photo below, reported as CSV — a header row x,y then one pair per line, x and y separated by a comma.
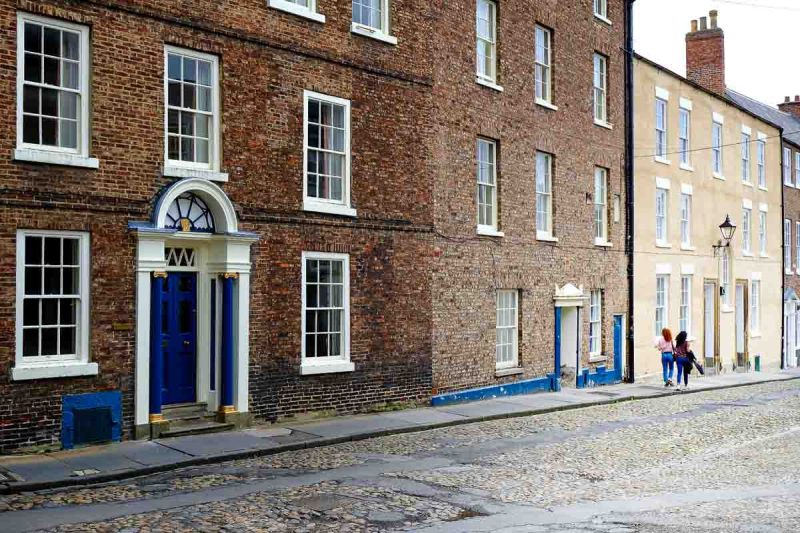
x,y
717,461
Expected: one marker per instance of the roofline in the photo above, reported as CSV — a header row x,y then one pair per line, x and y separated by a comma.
x,y
785,139
699,87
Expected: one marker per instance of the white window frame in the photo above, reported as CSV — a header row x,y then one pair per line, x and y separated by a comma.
x,y
797,246
39,153
600,89
322,205
684,140
544,161
600,206
716,148
788,179
40,367
726,277
186,169
595,323
755,306
514,361
661,303
746,177
662,217
489,78
747,226
600,9
787,245
661,129
797,169
308,11
686,220
543,65
381,32
685,318
326,365
762,232
487,229
761,157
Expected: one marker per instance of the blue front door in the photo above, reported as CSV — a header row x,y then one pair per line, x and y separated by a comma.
x,y
179,337
618,340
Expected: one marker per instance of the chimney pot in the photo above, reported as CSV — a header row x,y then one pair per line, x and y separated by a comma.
x,y
713,16
703,23
694,26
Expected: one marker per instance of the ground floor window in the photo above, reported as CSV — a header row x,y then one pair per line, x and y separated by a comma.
x,y
662,303
326,297
507,320
755,306
595,323
686,304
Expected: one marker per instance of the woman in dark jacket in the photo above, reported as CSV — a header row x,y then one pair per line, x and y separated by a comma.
x,y
684,358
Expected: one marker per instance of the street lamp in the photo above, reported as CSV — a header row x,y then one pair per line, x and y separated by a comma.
x,y
726,229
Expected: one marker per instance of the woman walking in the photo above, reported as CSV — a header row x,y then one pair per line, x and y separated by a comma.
x,y
685,359
665,346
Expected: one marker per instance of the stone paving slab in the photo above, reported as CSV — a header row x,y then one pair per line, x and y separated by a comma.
x,y
214,444
424,416
352,425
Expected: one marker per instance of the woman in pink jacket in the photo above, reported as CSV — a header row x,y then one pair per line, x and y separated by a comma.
x,y
665,346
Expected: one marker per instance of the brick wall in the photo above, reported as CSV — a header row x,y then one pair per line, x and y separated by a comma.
x,y
705,59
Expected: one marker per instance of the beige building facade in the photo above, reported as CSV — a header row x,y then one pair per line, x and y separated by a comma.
x,y
698,159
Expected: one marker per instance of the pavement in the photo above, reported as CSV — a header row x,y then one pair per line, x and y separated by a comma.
x,y
95,464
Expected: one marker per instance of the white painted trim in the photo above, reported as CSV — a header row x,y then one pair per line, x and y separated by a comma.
x,y
340,362
602,243
142,388
66,370
747,203
763,207
241,360
84,129
545,236
488,83
762,136
747,130
603,124
718,118
663,183
755,276
662,160
331,368
179,172
305,12
686,104
489,231
55,158
662,94
546,104
718,176
688,168
664,269
372,33
318,206
687,188
687,269
217,201
601,18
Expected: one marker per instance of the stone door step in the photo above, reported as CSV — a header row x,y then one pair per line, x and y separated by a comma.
x,y
196,429
184,411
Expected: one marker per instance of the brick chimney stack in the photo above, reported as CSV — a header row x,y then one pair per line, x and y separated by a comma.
x,y
791,106
705,53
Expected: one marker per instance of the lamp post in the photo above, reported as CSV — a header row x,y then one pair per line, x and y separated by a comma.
x,y
726,229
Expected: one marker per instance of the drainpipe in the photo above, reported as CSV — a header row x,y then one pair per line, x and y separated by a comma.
x,y
784,343
629,355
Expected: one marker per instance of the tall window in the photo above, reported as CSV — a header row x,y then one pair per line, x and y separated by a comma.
x,y
787,167
686,220
684,136
595,323
661,215
797,169
192,115
686,304
662,302
600,205
601,8
52,297
542,65
762,232
487,40
544,195
600,88
716,148
327,154
726,276
661,128
797,246
761,149
747,215
787,245
506,355
755,305
745,158
53,74
487,185
372,14
326,308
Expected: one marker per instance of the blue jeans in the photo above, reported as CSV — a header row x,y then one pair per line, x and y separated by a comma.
x,y
683,369
668,364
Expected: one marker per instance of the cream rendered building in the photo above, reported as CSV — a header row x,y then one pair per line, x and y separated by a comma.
x,y
698,158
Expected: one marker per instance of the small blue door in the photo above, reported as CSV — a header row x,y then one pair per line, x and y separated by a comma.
x,y
179,337
618,340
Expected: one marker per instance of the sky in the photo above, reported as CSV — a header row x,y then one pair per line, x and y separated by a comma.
x,y
757,33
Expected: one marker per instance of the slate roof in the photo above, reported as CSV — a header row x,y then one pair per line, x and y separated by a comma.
x,y
787,121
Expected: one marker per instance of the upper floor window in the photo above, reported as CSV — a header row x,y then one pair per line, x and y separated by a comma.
x,y
544,195
762,232
542,65
327,154
487,40
755,305
371,18
686,220
662,302
506,350
661,129
716,148
684,132
787,245
746,230
787,166
661,215
192,110
796,246
600,88
487,185
302,8
761,150
600,206
595,323
53,86
797,169
601,9
746,157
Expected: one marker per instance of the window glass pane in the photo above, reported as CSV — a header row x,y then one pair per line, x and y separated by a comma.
x,y
33,68
30,342
33,37
33,280
49,341
30,315
33,250
52,42
68,344
52,251
49,312
52,71
70,45
67,312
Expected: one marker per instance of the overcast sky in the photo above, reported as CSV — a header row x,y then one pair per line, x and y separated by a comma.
x,y
757,33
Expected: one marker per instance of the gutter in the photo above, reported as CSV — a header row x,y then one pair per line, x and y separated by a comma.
x,y
629,220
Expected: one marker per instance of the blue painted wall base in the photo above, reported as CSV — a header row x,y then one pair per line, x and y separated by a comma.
x,y
69,404
527,386
601,376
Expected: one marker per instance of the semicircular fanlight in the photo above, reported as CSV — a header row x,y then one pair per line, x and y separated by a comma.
x,y
189,213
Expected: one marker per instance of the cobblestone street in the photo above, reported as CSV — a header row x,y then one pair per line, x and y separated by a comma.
x,y
719,461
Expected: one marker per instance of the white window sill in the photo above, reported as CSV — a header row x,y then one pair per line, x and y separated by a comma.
x,y
663,245
372,33
760,188
181,172
545,236
603,243
790,185
546,104
662,160
687,168
755,334
725,308
748,184
504,372
326,368
764,256
603,124
788,272
329,209
489,84
688,248
597,358
747,254
295,9
603,19
55,158
490,231
54,370
718,176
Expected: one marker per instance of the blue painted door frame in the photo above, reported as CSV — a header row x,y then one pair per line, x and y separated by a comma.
x,y
618,340
179,338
